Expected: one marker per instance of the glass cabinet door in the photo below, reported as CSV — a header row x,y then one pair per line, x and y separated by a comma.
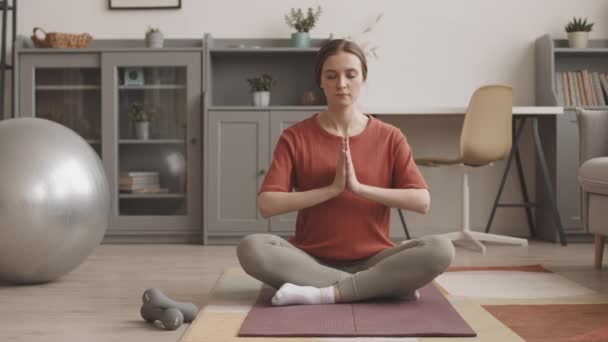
x,y
156,110
66,93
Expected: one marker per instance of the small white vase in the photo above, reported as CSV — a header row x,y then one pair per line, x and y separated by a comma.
x,y
261,98
154,40
142,130
578,40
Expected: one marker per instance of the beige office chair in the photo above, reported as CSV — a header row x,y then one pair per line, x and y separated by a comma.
x,y
593,175
485,138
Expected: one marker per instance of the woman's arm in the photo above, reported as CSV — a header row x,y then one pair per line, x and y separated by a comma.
x,y
273,203
418,200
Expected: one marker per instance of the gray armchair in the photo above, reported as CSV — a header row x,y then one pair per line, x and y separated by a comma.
x,y
593,175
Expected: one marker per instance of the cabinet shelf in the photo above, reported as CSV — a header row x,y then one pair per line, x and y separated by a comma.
x,y
68,87
586,51
151,141
554,58
153,87
151,196
232,61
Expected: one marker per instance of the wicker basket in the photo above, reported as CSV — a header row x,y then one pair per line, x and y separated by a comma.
x,y
61,40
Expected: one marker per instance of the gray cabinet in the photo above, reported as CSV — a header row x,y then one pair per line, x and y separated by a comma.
x,y
65,88
155,174
238,158
154,171
239,150
560,135
193,172
240,138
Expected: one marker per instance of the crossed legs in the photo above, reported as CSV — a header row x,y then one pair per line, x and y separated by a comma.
x,y
394,272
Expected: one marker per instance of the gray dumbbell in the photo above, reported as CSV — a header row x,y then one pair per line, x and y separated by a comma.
x,y
154,298
170,318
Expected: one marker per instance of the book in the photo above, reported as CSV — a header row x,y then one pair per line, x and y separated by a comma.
x,y
566,85
139,180
573,88
559,88
597,87
146,191
604,82
577,94
139,173
589,93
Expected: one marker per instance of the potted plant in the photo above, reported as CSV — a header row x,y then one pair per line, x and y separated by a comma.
x,y
578,32
142,115
260,89
154,37
296,19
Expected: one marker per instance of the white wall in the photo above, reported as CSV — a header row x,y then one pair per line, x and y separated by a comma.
x,y
432,53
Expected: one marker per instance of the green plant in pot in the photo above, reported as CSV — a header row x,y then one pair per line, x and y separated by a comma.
x,y
578,32
302,23
142,115
260,89
154,38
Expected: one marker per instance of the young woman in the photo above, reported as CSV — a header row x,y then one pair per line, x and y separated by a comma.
x,y
348,169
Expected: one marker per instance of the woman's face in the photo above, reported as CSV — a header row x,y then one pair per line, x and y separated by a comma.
x,y
342,79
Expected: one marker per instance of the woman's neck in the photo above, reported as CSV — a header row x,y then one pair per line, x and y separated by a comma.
x,y
345,121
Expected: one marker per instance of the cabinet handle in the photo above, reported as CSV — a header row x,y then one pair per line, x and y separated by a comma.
x,y
262,172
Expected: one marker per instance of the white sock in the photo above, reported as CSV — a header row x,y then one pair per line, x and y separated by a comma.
x,y
412,296
290,294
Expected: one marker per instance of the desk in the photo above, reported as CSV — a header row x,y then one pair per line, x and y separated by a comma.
x,y
520,116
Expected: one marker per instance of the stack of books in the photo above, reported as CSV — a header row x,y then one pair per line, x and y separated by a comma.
x,y
581,88
140,182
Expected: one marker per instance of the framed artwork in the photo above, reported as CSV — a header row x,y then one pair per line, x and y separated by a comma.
x,y
145,4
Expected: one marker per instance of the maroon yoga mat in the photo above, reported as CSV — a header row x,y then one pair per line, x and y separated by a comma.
x,y
431,315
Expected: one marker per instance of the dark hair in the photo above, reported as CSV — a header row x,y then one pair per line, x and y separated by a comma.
x,y
333,47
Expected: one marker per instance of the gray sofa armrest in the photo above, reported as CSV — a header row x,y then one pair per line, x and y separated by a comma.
x,y
592,143
592,134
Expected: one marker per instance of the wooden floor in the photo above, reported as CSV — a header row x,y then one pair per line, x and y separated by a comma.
x,y
100,300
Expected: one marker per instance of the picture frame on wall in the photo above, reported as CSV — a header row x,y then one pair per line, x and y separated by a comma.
x,y
144,4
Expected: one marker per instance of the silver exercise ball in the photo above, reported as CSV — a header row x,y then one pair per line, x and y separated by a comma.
x,y
54,200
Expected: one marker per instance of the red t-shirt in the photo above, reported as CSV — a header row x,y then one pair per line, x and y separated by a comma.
x,y
346,227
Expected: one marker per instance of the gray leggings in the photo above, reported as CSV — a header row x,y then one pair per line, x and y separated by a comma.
x,y
393,272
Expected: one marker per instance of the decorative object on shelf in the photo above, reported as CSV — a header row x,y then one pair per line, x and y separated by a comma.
x,y
260,89
142,115
578,32
60,40
368,48
154,38
141,182
133,76
144,4
303,24
310,98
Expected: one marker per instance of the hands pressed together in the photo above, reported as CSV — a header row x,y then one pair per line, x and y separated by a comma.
x,y
346,178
